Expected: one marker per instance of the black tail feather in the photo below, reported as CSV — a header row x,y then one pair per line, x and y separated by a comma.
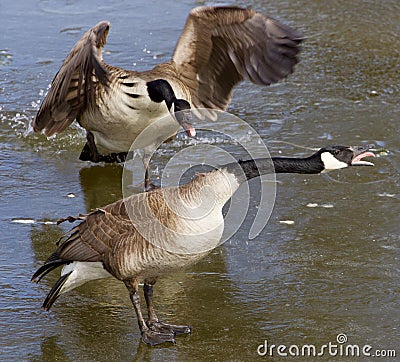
x,y
46,268
55,292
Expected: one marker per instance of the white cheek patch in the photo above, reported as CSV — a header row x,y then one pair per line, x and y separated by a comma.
x,y
331,162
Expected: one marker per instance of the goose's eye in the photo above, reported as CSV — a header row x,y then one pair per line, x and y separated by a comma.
x,y
336,152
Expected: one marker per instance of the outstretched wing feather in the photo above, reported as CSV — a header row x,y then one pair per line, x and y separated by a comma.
x,y
73,87
220,46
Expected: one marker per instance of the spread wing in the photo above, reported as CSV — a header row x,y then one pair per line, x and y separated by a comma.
x,y
73,86
220,46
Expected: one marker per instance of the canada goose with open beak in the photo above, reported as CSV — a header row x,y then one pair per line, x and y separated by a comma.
x,y
219,47
146,235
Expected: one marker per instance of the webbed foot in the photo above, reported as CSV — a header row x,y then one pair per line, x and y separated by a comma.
x,y
90,152
168,328
153,338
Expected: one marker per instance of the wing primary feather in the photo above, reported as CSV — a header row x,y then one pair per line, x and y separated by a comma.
x,y
220,46
74,86
55,291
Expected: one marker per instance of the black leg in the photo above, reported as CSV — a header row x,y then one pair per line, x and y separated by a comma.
x,y
148,296
149,336
90,152
153,322
148,185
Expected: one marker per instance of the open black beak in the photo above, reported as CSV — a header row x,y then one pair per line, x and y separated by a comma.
x,y
184,118
359,153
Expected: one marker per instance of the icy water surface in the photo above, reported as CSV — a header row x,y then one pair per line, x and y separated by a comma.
x,y
326,264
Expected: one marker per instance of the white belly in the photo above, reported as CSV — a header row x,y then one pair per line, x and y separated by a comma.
x,y
118,119
119,134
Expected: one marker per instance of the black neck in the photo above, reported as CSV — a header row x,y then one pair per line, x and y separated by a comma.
x,y
307,165
263,166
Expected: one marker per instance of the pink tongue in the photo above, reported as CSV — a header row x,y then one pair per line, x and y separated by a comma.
x,y
362,155
190,131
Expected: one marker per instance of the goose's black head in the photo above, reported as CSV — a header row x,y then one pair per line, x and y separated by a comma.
x,y
337,156
160,90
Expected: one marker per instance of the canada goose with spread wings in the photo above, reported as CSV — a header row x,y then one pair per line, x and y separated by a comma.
x,y
218,48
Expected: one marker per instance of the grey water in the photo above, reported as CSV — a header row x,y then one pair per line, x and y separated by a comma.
x,y
327,262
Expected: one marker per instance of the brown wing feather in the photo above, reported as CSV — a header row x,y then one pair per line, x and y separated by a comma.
x,y
104,230
220,46
73,87
96,235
